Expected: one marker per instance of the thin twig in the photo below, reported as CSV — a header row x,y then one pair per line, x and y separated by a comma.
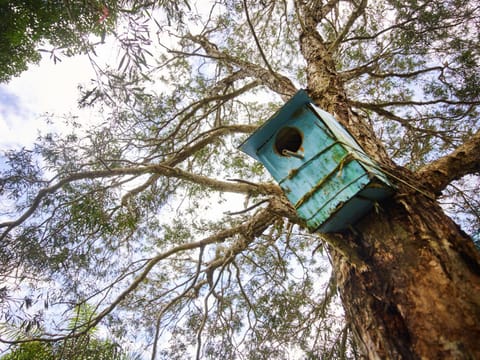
x,y
247,209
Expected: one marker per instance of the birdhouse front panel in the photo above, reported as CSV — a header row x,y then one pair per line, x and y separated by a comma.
x,y
320,167
294,144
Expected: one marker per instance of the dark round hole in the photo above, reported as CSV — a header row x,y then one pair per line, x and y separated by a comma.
x,y
288,138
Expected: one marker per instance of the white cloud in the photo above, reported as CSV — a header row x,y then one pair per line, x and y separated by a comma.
x,y
44,88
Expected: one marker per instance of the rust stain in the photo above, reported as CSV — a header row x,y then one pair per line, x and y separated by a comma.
x,y
297,112
292,173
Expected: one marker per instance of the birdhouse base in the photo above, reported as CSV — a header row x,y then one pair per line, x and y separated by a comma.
x,y
347,214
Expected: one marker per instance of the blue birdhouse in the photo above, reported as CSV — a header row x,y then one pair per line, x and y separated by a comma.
x,y
322,170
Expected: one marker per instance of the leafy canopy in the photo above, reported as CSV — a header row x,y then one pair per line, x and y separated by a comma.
x,y
29,27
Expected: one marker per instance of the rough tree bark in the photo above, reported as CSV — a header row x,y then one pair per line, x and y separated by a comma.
x,y
413,291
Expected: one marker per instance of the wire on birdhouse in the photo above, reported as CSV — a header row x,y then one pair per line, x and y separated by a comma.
x,y
376,165
286,152
347,158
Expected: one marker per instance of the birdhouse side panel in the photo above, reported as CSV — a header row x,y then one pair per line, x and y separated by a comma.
x,y
377,190
345,216
342,135
354,209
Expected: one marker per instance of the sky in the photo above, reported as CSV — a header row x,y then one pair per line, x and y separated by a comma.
x,y
43,88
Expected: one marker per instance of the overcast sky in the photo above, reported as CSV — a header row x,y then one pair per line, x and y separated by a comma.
x,y
44,88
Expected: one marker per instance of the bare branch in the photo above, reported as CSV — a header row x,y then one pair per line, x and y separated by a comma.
x,y
206,138
260,49
193,108
255,37
407,123
463,161
223,84
371,67
211,183
384,30
374,106
406,75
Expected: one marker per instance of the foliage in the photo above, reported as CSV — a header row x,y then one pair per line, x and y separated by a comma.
x,y
27,26
94,349
81,347
65,28
32,350
179,242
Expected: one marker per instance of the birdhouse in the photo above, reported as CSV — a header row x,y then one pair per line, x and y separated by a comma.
x,y
321,168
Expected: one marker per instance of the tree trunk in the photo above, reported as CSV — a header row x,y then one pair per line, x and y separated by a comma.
x,y
412,291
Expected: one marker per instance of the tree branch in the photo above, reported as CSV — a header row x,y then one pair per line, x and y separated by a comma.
x,y
159,169
217,185
351,20
278,83
463,161
257,42
406,74
370,67
206,138
318,10
374,106
194,107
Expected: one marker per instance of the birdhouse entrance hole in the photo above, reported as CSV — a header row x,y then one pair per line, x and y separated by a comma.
x,y
288,140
